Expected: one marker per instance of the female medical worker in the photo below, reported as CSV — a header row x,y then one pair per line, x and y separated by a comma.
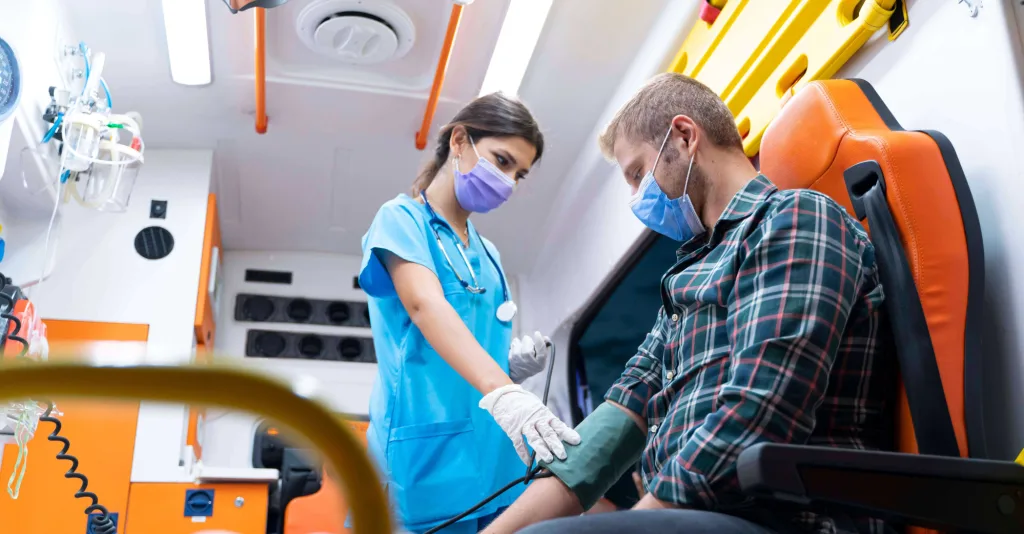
x,y
441,317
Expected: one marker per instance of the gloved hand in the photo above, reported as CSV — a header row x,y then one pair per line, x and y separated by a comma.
x,y
528,357
520,413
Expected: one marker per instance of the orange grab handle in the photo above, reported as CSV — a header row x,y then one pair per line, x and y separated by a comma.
x,y
442,70
261,70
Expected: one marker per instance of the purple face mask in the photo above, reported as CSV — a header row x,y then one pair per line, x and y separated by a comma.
x,y
484,187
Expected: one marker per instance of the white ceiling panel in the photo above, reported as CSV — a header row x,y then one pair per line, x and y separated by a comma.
x,y
341,137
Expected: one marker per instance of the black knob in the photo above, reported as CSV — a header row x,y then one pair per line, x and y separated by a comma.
x,y
257,309
311,346
269,344
351,349
338,312
300,310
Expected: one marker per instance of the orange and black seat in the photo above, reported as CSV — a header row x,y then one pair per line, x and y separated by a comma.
x,y
321,512
908,188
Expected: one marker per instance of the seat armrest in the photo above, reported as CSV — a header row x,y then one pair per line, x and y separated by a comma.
x,y
930,491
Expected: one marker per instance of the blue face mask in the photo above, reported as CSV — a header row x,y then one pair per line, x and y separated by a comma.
x,y
673,218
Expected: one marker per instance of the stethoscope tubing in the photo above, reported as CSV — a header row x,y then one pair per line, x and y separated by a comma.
x,y
474,288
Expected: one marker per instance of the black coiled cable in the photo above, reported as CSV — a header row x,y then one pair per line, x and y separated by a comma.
x,y
102,523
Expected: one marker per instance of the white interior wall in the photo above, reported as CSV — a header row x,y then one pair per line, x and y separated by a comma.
x,y
969,88
594,229
100,277
343,386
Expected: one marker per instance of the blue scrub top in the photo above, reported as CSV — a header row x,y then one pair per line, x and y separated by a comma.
x,y
441,453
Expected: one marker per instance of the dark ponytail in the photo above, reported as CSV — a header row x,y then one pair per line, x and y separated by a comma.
x,y
493,115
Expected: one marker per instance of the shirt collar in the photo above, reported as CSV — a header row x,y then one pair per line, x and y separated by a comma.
x,y
747,199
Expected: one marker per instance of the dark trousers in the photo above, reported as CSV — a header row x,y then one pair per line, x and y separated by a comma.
x,y
644,521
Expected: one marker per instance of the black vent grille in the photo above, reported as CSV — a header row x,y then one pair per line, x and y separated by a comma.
x,y
298,310
305,346
154,243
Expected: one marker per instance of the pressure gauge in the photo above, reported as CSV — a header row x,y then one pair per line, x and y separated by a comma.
x,y
10,80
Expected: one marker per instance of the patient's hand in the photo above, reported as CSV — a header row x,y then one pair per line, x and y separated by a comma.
x,y
602,507
648,502
639,483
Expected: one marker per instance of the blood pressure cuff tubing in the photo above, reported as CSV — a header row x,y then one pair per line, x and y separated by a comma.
x,y
610,443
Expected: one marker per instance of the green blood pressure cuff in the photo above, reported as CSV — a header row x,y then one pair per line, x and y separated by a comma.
x,y
610,444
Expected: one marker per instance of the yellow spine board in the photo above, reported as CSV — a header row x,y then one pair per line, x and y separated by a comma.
x,y
700,44
789,25
758,53
833,38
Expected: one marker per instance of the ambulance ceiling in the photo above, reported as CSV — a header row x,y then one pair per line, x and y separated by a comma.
x,y
341,139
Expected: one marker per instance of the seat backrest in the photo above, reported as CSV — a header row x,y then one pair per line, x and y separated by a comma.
x,y
837,137
321,512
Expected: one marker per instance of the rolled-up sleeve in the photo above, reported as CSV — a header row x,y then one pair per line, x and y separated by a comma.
x,y
395,230
641,379
796,285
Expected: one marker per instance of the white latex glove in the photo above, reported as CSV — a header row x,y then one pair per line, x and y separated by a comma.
x,y
520,413
528,357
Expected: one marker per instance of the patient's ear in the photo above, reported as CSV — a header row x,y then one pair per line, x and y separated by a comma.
x,y
686,135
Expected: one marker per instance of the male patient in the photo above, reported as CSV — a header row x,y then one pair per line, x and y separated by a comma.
x,y
771,330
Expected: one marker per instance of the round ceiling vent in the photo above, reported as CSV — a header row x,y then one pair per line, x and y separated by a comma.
x,y
359,32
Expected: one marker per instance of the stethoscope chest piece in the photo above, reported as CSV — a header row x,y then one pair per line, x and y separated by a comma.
x,y
507,311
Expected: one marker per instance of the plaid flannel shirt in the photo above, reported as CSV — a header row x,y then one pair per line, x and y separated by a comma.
x,y
771,330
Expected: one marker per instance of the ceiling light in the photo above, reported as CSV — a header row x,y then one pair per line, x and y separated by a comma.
x,y
187,43
516,42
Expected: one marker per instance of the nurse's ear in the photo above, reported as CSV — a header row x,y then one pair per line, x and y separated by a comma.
x,y
459,143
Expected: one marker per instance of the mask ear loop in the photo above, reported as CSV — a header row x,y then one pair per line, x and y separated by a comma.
x,y
649,177
661,150
689,168
457,159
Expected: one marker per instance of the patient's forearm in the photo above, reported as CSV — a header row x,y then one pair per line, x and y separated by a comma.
x,y
611,441
547,498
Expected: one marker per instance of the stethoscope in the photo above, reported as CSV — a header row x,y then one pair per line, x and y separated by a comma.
x,y
507,310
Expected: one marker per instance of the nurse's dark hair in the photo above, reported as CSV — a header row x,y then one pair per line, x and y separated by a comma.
x,y
493,115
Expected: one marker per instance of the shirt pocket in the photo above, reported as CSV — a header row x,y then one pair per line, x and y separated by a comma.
x,y
433,470
459,297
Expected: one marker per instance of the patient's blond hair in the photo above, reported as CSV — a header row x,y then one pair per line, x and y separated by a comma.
x,y
647,115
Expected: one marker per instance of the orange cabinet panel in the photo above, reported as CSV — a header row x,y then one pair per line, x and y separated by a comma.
x,y
72,332
206,320
197,414
102,436
194,437
160,509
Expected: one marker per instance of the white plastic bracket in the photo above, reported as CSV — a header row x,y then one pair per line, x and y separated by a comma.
x,y
973,5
